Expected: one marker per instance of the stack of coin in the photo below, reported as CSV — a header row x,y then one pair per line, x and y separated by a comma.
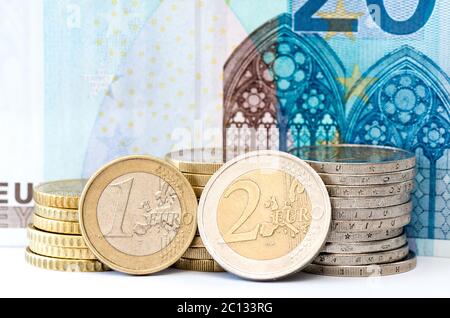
x,y
370,192
198,166
55,240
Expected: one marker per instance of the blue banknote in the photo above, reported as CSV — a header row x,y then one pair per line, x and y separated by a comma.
x,y
131,76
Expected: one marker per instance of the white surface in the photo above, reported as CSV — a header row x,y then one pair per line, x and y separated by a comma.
x,y
18,279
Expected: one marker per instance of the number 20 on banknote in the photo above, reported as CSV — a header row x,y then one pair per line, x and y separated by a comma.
x,y
307,17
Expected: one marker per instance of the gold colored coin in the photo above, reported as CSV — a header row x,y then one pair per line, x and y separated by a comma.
x,y
198,191
63,194
53,239
65,265
201,161
197,253
55,226
138,214
198,265
197,180
61,252
197,242
69,215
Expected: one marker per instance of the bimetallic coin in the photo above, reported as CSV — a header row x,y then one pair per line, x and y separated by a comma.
x,y
197,253
198,265
366,270
370,225
137,214
370,179
370,191
356,159
201,161
197,242
372,213
65,265
369,236
197,180
63,194
363,259
264,215
369,202
53,239
366,247
69,215
61,252
55,226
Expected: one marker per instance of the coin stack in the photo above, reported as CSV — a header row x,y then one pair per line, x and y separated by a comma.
x,y
55,240
369,188
198,165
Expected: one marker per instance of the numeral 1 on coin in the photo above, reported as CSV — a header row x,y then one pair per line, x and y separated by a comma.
x,y
120,208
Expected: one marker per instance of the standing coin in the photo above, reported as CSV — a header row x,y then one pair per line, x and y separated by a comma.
x,y
59,194
370,179
370,191
356,159
137,215
264,215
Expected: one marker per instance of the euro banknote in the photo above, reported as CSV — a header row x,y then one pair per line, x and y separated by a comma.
x,y
133,77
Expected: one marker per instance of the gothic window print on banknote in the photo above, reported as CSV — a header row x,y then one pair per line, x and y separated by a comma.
x,y
368,72
300,100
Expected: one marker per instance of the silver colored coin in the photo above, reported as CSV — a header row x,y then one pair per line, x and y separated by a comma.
x,y
349,237
370,191
369,202
373,213
370,179
356,159
374,270
363,259
366,247
371,225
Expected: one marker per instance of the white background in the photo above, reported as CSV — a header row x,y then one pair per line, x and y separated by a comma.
x,y
430,279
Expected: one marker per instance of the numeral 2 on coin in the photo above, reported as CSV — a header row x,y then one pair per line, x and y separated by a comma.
x,y
254,195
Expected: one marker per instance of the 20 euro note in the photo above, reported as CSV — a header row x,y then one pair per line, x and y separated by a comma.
x,y
126,77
